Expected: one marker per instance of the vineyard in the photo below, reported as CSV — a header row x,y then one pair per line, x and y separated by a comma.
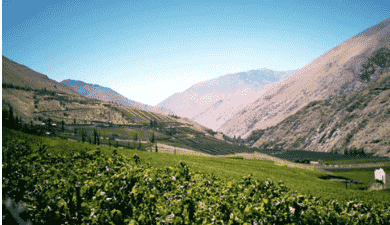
x,y
98,185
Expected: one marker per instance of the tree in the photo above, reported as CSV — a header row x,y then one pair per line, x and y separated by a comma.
x,y
128,145
94,136
74,121
82,135
156,148
20,124
152,139
116,145
109,142
16,123
361,152
135,137
90,141
49,123
11,116
62,125
353,151
5,117
98,139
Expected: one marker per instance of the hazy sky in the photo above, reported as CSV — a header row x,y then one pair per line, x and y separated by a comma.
x,y
148,50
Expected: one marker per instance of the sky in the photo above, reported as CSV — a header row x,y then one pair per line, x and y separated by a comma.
x,y
149,50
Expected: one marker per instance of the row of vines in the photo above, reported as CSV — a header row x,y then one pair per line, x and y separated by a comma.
x,y
89,187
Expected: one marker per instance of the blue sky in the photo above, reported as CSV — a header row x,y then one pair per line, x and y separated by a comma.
x,y
149,50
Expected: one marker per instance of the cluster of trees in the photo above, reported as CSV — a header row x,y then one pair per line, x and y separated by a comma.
x,y
25,88
16,123
354,152
153,122
96,139
174,116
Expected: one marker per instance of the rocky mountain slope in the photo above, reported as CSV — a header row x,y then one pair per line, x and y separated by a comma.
x,y
212,102
98,92
357,120
344,69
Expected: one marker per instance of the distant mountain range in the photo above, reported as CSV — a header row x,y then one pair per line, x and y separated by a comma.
x,y
339,100
344,69
106,94
213,102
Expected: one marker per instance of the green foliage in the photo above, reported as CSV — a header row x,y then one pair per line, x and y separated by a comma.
x,y
118,190
82,135
236,157
380,58
255,135
152,139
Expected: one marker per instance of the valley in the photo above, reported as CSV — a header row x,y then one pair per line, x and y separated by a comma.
x,y
305,145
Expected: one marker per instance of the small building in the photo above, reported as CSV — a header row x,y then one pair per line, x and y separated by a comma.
x,y
380,175
314,162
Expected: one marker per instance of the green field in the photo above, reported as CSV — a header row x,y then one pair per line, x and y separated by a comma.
x,y
304,181
363,175
199,142
108,185
347,160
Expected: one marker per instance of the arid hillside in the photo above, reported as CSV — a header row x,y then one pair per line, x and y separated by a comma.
x,y
358,120
349,67
35,98
22,77
105,94
213,102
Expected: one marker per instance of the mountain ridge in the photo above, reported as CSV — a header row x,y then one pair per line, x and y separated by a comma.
x,y
197,101
95,91
334,73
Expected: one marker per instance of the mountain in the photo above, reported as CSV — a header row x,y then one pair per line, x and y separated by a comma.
x,y
349,67
358,120
23,77
18,84
98,92
212,102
